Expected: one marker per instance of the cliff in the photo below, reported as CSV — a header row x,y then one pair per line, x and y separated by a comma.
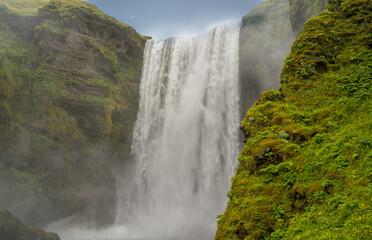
x,y
305,171
265,39
12,228
69,79
301,10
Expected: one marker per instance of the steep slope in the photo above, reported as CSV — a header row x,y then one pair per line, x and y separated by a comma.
x,y
305,171
301,10
69,77
12,228
265,39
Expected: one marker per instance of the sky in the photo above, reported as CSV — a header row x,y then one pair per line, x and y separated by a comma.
x,y
172,18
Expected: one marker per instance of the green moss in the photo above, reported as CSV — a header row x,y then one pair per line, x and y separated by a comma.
x,y
12,228
110,56
50,29
266,31
305,171
62,125
23,7
19,51
28,179
301,10
255,19
315,7
269,18
67,8
53,115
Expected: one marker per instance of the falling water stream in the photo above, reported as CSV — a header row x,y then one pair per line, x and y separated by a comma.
x,y
186,138
186,135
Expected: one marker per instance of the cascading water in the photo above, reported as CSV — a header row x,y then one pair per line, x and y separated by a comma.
x,y
186,138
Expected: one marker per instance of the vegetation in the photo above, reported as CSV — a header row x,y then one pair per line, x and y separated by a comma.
x,y
265,39
69,78
23,7
12,228
305,171
270,17
301,10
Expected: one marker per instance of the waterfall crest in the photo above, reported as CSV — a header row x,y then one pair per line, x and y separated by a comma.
x,y
186,138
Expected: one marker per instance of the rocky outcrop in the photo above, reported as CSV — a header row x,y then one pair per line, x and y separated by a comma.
x,y
69,79
305,171
265,39
12,228
302,10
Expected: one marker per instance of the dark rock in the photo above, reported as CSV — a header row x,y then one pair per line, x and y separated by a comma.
x,y
302,10
265,39
69,89
11,228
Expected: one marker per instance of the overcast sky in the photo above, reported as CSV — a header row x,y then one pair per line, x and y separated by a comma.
x,y
168,18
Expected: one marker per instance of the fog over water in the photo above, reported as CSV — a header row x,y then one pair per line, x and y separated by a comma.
x,y
186,135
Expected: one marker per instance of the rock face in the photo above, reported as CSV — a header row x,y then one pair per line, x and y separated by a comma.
x,y
265,39
305,171
302,10
69,78
12,228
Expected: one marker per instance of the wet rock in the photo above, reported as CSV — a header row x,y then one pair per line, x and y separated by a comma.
x,y
11,228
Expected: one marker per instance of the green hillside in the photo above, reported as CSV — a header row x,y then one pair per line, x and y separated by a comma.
x,y
69,79
306,169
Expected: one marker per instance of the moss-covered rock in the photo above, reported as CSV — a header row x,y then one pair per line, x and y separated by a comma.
x,y
305,171
265,39
12,228
69,83
302,10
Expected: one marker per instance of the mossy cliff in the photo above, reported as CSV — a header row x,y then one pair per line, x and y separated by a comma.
x,y
301,10
265,39
306,169
12,228
69,77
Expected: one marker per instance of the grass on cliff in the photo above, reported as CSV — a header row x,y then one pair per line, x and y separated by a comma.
x,y
53,116
67,8
24,7
306,169
269,17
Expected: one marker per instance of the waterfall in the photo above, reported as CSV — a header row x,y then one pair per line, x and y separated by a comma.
x,y
186,137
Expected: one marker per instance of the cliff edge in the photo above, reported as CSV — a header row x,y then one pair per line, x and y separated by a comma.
x,y
69,89
305,171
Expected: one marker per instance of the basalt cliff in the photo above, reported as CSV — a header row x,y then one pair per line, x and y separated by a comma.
x,y
69,79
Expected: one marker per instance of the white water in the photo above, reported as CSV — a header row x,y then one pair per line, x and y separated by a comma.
x,y
186,135
185,142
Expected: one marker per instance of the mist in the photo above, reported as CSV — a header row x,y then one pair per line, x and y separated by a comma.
x,y
265,40
185,141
